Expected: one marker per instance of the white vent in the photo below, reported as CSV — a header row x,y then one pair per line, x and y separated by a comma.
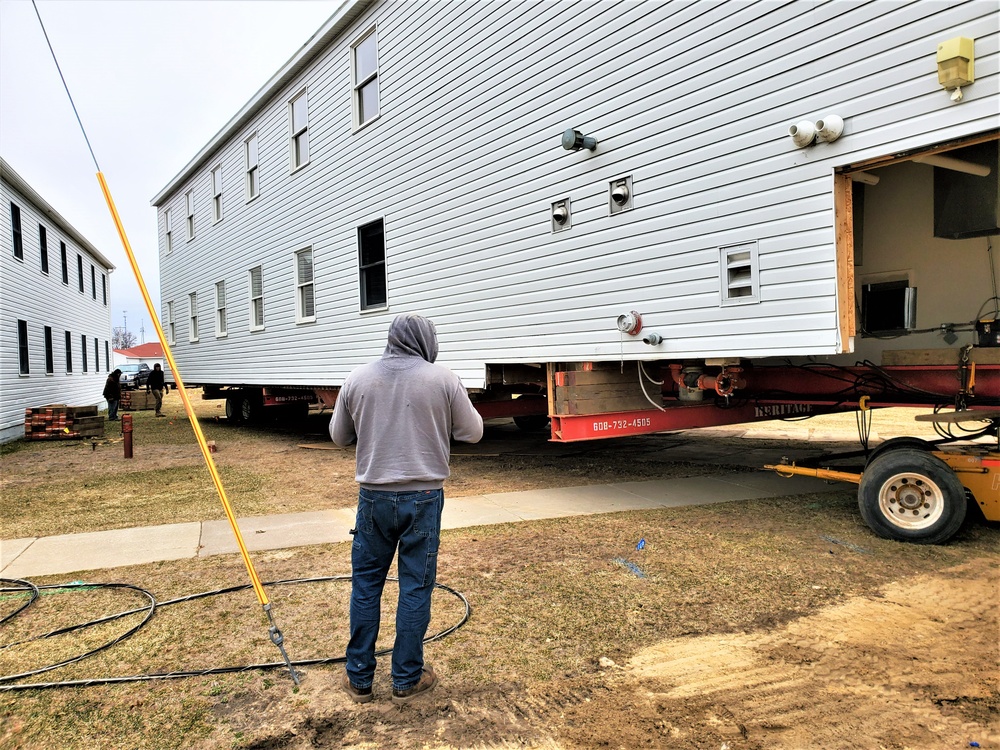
x,y
739,274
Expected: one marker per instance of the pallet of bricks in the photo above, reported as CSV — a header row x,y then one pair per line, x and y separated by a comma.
x,y
61,422
136,401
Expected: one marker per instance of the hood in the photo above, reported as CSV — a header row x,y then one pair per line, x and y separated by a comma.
x,y
412,335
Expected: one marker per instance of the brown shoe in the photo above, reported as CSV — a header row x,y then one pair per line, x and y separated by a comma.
x,y
356,694
428,681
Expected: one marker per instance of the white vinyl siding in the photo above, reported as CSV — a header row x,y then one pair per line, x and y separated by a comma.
x,y
193,316
250,167
364,69
217,194
298,124
305,303
256,299
692,100
221,325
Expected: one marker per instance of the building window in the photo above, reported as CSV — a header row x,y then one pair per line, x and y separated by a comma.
x,y
371,265
104,289
93,281
256,299
79,270
365,79
50,365
739,274
15,228
298,114
97,355
217,194
251,167
169,231
171,338
65,263
189,212
305,307
193,316
83,350
22,346
69,352
220,310
107,356
43,248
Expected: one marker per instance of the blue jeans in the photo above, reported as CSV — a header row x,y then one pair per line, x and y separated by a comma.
x,y
409,522
112,409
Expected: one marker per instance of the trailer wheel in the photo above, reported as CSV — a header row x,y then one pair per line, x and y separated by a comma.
x,y
250,408
910,495
532,422
234,409
900,442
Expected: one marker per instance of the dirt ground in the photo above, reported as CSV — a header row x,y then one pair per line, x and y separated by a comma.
x,y
910,668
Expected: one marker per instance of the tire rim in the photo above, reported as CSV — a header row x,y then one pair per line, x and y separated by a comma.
x,y
911,501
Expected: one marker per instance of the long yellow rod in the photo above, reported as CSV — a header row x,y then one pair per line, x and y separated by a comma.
x,y
258,587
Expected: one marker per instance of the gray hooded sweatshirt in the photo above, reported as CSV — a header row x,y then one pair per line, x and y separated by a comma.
x,y
403,411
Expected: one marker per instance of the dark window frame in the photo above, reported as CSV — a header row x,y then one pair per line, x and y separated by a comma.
x,y
372,268
23,365
17,235
65,263
50,361
69,352
43,248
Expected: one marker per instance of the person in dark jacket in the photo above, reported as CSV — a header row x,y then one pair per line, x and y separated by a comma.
x,y
113,394
403,411
155,385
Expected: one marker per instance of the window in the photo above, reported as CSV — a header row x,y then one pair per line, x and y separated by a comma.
x,y
217,194
83,350
50,365
220,309
69,352
104,289
371,265
171,338
251,167
298,113
256,299
79,270
193,316
97,356
22,346
189,212
43,249
305,307
15,228
65,263
168,228
739,274
93,281
107,356
365,78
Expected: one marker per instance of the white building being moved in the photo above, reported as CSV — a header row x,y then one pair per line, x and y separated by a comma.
x,y
55,313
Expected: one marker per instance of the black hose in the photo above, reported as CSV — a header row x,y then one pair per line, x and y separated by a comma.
x,y
149,613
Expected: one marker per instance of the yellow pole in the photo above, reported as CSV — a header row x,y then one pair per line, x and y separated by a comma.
x,y
258,587
787,470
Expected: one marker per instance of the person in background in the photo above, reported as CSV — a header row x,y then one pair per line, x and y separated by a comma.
x,y
156,386
403,411
113,394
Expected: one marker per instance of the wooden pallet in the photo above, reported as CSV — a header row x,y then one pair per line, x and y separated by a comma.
x,y
62,422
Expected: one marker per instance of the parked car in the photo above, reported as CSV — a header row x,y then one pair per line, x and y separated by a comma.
x,y
134,376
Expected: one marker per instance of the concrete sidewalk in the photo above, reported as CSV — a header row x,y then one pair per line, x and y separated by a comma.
x,y
70,553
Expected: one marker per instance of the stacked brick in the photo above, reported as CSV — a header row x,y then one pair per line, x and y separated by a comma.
x,y
136,401
61,422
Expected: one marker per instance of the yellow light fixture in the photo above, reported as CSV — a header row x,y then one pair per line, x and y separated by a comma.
x,y
956,64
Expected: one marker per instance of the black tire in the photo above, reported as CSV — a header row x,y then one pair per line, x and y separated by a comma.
x,y
532,422
910,495
900,442
251,408
234,411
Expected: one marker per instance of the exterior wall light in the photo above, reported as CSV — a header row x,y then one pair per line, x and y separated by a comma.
x,y
574,140
956,59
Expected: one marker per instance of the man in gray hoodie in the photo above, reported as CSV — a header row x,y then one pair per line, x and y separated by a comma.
x,y
403,411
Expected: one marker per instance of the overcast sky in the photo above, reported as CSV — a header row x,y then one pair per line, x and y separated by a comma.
x,y
153,81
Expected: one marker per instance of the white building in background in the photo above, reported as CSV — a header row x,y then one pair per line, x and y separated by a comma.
x,y
55,312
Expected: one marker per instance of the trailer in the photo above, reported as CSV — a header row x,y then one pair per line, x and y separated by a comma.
x,y
623,217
